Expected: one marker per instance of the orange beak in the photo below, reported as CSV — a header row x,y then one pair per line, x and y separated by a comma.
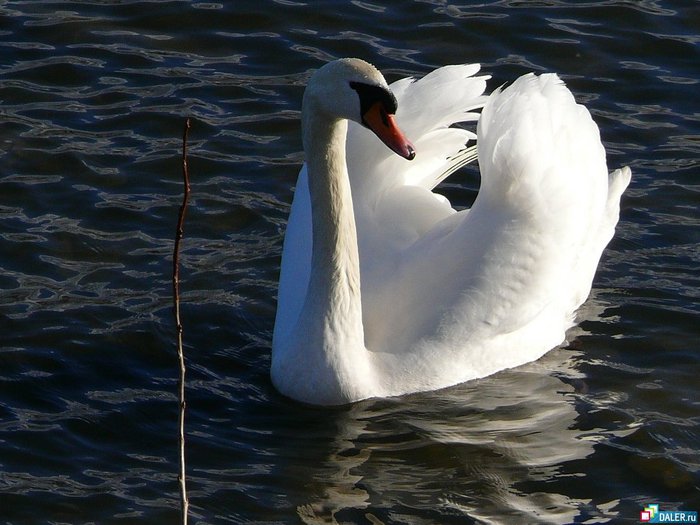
x,y
384,126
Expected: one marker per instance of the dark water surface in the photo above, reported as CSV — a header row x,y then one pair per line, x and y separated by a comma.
x,y
93,96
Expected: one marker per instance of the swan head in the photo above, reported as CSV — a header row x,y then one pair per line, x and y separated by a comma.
x,y
355,90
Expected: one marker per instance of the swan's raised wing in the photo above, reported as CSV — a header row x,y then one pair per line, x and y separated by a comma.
x,y
392,197
497,287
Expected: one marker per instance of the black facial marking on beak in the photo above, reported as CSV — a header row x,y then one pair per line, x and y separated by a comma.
x,y
370,95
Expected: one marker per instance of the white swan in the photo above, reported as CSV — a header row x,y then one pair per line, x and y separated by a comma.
x,y
384,288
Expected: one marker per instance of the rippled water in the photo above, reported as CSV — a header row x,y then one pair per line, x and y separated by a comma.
x,y
93,96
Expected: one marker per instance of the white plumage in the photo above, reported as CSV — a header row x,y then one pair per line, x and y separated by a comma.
x,y
404,293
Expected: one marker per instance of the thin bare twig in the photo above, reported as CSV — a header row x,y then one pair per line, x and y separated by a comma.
x,y
184,500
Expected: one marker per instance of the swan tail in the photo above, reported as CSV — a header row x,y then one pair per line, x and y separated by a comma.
x,y
617,184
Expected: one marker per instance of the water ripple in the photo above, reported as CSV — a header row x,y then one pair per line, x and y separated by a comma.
x,y
93,98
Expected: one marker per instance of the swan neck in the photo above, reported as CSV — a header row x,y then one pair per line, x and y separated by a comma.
x,y
335,271
324,360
